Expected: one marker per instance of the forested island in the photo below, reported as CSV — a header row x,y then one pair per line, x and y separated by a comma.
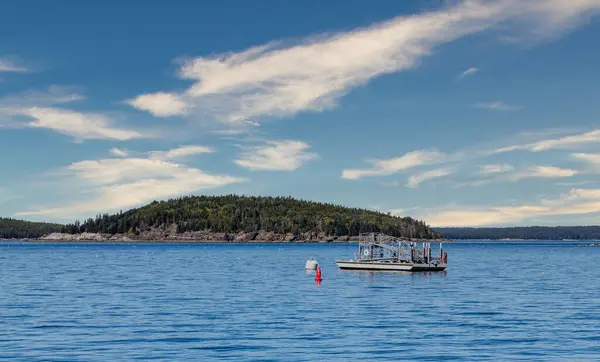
x,y
523,233
241,218
253,218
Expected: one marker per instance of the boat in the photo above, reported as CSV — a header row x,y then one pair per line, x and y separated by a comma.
x,y
380,252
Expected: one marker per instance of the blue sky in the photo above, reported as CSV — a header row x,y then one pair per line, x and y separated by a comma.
x,y
474,112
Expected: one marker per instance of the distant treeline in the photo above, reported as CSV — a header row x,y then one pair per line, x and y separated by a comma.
x,y
232,214
19,229
528,232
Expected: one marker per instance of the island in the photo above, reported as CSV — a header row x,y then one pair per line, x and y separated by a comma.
x,y
229,218
557,233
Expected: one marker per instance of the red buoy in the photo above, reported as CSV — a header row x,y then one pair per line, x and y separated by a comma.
x,y
318,276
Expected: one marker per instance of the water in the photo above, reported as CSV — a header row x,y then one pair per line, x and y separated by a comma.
x,y
202,302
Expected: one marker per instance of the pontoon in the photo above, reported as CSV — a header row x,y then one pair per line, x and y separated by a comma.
x,y
382,252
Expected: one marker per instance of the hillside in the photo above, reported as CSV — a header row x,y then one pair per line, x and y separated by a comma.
x,y
247,217
528,232
18,229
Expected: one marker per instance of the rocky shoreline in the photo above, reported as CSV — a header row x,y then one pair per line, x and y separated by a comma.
x,y
197,236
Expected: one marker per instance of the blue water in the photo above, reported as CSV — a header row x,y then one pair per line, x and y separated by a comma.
x,y
202,302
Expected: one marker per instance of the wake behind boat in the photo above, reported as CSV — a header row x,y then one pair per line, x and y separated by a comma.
x,y
382,252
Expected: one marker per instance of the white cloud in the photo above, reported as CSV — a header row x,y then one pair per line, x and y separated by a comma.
x,y
508,175
280,80
122,183
577,202
40,106
180,152
593,158
286,155
566,142
159,104
10,65
576,183
55,94
416,180
469,71
118,152
393,165
497,106
81,126
491,169
113,170
543,172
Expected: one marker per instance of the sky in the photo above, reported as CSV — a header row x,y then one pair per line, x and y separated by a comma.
x,y
458,113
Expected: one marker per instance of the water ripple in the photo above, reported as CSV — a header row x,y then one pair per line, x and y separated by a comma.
x,y
191,302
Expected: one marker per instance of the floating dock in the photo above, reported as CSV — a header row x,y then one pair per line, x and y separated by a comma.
x,y
380,252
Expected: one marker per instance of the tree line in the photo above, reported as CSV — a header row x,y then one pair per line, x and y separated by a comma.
x,y
233,213
525,232
19,229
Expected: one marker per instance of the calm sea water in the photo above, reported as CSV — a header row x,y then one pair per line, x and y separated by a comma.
x,y
202,302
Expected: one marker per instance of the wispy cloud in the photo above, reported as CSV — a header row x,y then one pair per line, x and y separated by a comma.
x,y
281,155
39,109
52,96
498,106
535,171
593,158
566,142
119,183
8,64
469,72
393,165
279,79
80,126
118,152
576,202
493,169
575,183
542,172
181,152
416,180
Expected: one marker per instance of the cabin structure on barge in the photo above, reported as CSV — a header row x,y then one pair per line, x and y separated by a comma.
x,y
380,252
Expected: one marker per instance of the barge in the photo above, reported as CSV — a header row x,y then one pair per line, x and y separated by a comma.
x,y
380,252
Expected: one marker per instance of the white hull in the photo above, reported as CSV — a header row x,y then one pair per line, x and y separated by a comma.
x,y
389,266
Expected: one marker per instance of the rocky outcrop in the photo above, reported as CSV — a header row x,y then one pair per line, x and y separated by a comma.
x,y
75,237
199,236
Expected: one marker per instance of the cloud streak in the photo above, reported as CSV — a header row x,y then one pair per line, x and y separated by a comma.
x,y
494,169
507,175
286,155
279,80
121,183
181,152
415,180
469,72
394,165
566,142
576,202
497,106
118,152
80,126
43,109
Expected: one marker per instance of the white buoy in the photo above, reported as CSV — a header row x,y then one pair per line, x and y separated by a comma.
x,y
311,264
